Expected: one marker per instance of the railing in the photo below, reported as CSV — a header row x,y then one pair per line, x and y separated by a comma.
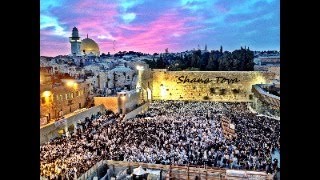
x,y
266,97
182,172
190,172
92,170
137,164
136,111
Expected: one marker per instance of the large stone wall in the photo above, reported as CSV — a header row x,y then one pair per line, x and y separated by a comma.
x,y
50,131
124,102
137,111
111,103
128,100
62,98
207,85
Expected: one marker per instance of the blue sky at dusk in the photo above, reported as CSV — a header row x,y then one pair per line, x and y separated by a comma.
x,y
152,25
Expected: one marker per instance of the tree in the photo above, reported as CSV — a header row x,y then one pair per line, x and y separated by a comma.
x,y
195,59
248,61
244,59
225,62
160,63
221,49
204,61
239,55
212,62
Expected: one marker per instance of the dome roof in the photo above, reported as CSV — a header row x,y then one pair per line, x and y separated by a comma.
x,y
88,45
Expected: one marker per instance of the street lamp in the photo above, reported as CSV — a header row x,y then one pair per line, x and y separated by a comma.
x,y
139,68
138,86
46,94
72,83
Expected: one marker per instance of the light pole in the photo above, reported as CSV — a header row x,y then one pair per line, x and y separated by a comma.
x,y
139,82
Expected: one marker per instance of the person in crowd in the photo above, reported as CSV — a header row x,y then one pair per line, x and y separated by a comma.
x,y
170,132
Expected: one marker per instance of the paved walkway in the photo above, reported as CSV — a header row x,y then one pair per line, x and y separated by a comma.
x,y
65,116
253,111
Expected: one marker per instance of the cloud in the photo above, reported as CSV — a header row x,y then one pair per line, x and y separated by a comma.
x,y
107,36
127,4
176,34
156,35
45,5
128,17
52,23
153,25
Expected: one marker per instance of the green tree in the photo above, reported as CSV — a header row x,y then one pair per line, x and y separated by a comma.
x,y
195,59
248,60
213,63
225,62
244,59
204,61
160,63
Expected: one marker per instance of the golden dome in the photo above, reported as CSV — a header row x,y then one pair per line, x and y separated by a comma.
x,y
89,46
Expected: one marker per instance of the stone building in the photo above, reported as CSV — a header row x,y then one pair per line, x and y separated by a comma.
x,y
58,98
120,78
85,47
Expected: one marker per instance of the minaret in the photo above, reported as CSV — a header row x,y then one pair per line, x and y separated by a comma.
x,y
205,48
75,42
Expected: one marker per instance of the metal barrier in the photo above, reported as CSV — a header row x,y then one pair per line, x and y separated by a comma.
x,y
183,172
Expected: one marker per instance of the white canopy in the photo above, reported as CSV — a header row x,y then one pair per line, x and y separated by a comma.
x,y
139,171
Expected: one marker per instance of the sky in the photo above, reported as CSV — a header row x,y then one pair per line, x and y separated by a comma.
x,y
151,26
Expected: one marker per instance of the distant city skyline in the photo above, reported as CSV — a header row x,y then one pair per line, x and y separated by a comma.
x,y
151,26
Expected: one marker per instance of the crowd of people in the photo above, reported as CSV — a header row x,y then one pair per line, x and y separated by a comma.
x,y
68,157
170,132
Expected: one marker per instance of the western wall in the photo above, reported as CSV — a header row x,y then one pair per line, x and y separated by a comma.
x,y
227,86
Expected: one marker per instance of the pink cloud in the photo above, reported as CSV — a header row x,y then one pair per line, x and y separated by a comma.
x,y
54,48
157,35
164,32
167,31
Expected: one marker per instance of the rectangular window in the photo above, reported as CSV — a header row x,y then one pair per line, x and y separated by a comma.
x,y
66,95
43,100
61,97
57,97
72,95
